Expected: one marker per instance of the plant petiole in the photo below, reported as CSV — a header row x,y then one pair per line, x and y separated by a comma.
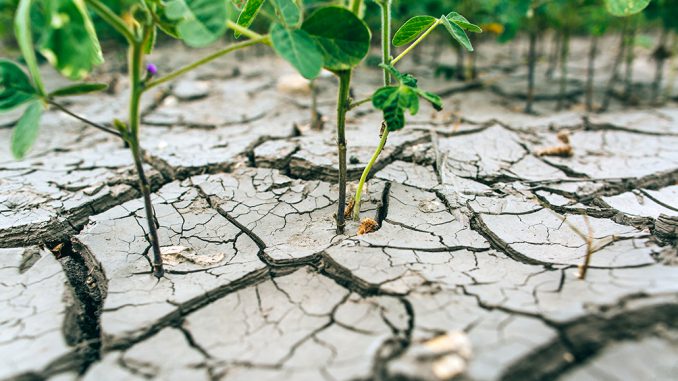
x,y
231,48
85,120
361,102
416,42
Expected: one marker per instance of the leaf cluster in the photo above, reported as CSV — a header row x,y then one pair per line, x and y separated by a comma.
x,y
454,23
395,100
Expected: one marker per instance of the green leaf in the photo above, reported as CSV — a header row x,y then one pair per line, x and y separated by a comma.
x,y
395,100
405,79
343,38
463,22
79,89
381,96
70,43
198,22
26,130
387,99
434,99
288,12
15,86
623,8
298,48
248,14
458,33
408,100
412,29
167,25
22,29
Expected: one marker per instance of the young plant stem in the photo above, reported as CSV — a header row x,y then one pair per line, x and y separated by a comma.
x,y
342,109
366,172
473,59
615,68
205,60
531,62
112,19
386,37
84,120
564,53
668,90
316,118
27,50
553,57
660,55
386,56
630,57
136,84
461,70
593,51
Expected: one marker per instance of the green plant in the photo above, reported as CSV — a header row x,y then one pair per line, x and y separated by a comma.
x,y
332,37
596,21
664,12
69,42
395,100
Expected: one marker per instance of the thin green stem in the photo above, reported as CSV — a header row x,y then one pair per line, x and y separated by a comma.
x,y
366,172
355,6
84,120
23,34
416,42
386,38
136,57
342,109
242,30
359,103
205,60
386,59
112,19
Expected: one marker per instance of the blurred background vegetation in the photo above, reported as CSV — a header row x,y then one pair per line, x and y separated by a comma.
x,y
505,19
546,25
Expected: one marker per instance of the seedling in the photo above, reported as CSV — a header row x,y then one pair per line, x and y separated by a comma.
x,y
625,9
333,38
395,100
70,44
597,20
663,11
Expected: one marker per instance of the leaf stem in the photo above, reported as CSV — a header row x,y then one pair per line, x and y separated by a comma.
x,y
112,19
84,120
366,172
355,6
342,108
242,30
386,38
22,28
205,60
359,103
386,59
416,42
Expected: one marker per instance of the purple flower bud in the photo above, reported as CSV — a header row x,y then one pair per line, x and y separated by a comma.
x,y
151,69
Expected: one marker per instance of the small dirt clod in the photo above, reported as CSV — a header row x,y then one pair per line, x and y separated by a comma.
x,y
367,225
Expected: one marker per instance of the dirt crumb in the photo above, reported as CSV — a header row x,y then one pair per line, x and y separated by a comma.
x,y
367,225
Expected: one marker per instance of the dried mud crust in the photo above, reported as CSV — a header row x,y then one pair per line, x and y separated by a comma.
x,y
471,274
